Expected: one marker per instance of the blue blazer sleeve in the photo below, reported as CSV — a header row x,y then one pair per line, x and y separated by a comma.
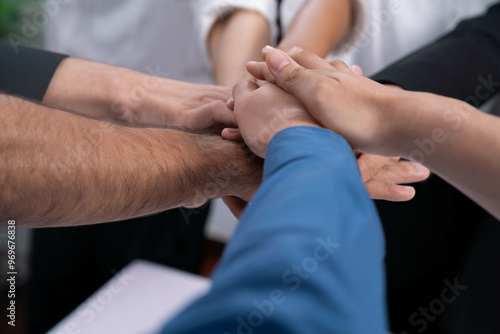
x,y
308,255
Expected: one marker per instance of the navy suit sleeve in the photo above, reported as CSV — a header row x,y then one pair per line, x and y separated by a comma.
x,y
308,255
463,64
27,72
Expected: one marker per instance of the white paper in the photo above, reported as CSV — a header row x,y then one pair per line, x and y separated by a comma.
x,y
139,299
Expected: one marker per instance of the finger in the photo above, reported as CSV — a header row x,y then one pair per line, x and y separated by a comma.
x,y
312,61
295,79
195,205
356,70
370,165
230,103
402,172
214,116
225,116
243,88
260,71
232,134
389,192
214,92
340,66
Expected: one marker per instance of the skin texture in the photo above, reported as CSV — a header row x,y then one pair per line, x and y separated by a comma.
x,y
61,169
234,41
450,137
261,117
320,26
134,98
383,176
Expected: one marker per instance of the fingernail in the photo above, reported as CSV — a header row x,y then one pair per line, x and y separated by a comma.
x,y
420,168
268,48
408,190
296,49
277,60
356,69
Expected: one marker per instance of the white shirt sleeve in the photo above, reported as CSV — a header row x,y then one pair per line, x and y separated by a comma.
x,y
291,8
207,12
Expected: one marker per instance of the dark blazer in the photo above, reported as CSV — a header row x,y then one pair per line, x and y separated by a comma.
x,y
27,72
455,65
442,235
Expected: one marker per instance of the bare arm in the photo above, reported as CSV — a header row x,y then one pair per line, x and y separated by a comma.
x,y
61,169
233,42
129,97
319,26
456,141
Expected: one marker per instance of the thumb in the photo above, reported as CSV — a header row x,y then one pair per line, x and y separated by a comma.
x,y
293,78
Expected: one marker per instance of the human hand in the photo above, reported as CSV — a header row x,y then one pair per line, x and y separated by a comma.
x,y
263,111
353,106
382,177
185,105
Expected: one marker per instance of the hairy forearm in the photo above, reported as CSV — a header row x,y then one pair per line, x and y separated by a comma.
x,y
456,141
319,26
233,42
60,169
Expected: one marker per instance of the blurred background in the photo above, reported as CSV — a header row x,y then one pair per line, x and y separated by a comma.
x,y
439,235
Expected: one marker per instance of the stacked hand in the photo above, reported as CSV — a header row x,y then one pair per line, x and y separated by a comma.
x,y
134,98
263,109
186,105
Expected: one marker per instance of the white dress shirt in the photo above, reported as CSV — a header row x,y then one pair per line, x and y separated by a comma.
x,y
383,30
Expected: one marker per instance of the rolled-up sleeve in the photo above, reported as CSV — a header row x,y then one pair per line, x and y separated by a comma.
x,y
208,12
27,72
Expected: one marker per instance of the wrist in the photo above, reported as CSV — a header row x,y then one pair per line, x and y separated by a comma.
x,y
202,167
88,88
394,115
419,122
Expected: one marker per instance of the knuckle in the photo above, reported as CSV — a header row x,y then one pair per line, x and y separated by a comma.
x,y
339,65
295,75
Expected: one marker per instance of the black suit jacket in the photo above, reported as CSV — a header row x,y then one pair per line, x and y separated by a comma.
x,y
27,72
456,65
